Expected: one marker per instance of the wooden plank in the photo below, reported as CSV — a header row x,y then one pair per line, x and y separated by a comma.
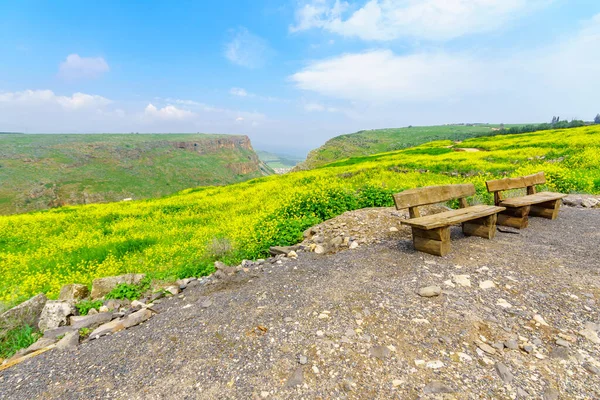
x,y
453,217
430,246
537,198
414,212
517,211
515,183
482,227
513,222
432,195
463,203
435,234
546,210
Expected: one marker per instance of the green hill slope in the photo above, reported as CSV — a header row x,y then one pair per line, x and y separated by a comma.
x,y
183,234
375,141
44,171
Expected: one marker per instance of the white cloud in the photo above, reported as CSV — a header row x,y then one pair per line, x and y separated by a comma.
x,y
247,50
314,107
48,98
168,112
238,92
425,19
77,67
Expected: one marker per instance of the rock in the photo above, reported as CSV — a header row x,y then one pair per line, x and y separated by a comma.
x,y
319,249
561,353
512,344
462,280
283,250
380,352
296,378
292,254
103,309
55,313
137,318
393,229
487,285
437,387
55,333
69,342
26,313
137,304
110,327
435,364
302,359
503,303
498,345
590,335
485,347
353,245
156,296
527,348
589,202
92,311
550,394
205,303
430,291
572,201
397,382
504,373
540,320
592,369
102,286
74,292
172,289
562,342
90,321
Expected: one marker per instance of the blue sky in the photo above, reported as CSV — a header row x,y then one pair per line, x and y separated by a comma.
x,y
292,74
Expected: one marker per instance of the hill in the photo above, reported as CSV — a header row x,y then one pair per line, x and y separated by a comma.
x,y
375,141
45,171
183,234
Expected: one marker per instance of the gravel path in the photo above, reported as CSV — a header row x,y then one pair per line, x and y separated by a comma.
x,y
351,325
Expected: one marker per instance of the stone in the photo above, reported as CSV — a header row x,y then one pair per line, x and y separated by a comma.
x,y
55,313
55,333
462,280
437,387
504,373
319,249
540,320
337,241
92,311
90,321
498,345
589,202
485,347
397,382
550,394
592,369
435,364
511,344
102,286
284,250
380,352
205,303
430,291
353,245
590,335
296,378
393,229
69,342
487,285
103,309
561,353
527,348
137,318
172,289
503,303
562,342
74,292
292,254
26,313
302,359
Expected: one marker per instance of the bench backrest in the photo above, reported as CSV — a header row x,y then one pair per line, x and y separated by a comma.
x,y
413,198
520,182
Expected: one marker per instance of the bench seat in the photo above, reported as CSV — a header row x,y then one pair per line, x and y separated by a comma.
x,y
541,197
453,217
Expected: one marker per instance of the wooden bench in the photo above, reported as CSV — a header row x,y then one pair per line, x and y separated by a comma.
x,y
518,209
431,234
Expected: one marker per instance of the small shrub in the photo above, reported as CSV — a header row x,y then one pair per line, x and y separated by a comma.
x,y
17,339
85,332
84,306
125,291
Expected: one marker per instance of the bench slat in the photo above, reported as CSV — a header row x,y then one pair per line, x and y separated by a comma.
x,y
537,198
432,195
453,217
516,183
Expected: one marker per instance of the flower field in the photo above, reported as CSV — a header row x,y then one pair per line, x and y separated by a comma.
x,y
183,234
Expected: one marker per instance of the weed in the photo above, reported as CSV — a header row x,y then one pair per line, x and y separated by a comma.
x,y
17,339
84,306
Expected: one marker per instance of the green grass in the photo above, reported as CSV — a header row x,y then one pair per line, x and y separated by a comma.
x,y
45,171
278,160
181,235
364,143
16,339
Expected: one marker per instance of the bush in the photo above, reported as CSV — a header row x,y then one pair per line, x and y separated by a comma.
x,y
17,339
84,306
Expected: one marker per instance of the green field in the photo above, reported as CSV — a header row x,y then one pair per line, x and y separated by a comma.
x,y
364,143
278,160
44,171
183,234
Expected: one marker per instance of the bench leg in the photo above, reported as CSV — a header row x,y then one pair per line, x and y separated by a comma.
x,y
482,227
515,217
548,209
433,241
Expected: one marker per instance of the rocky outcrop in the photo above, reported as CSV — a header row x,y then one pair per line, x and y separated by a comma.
x,y
56,313
26,313
73,292
213,145
102,286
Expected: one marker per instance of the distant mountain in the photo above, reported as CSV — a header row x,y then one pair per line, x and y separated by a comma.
x,y
364,143
44,171
279,162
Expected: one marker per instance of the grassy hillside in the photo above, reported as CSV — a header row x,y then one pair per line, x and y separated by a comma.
x,y
43,171
181,235
375,141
